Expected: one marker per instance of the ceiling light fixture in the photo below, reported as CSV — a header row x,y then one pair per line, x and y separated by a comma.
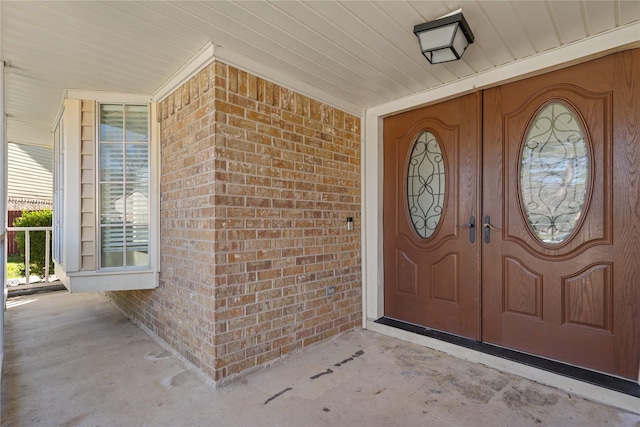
x,y
444,39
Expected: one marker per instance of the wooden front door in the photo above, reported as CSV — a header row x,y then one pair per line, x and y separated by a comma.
x,y
561,276
554,270
431,167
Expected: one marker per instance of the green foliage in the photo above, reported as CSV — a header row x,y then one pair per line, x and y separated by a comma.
x,y
37,239
15,267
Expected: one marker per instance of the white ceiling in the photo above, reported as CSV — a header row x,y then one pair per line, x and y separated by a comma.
x,y
357,54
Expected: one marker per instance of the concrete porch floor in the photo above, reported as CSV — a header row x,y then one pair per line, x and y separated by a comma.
x,y
75,360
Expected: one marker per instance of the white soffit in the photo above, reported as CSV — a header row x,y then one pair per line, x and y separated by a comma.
x,y
352,55
571,54
580,51
29,133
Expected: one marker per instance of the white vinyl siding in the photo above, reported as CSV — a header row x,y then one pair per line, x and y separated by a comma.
x,y
87,187
29,172
123,190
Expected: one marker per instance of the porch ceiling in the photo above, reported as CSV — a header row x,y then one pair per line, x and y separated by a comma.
x,y
361,53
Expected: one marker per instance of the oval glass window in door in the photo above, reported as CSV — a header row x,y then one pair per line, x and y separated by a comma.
x,y
425,184
554,173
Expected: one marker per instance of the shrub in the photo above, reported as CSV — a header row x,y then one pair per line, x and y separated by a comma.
x,y
37,239
15,267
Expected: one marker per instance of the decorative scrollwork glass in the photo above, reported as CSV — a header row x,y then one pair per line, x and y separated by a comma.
x,y
425,184
554,173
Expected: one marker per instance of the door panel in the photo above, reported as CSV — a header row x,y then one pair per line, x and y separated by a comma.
x,y
561,300
434,281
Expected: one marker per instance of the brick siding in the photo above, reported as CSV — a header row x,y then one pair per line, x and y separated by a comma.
x,y
256,184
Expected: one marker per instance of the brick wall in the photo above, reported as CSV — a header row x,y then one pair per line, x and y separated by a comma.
x,y
257,183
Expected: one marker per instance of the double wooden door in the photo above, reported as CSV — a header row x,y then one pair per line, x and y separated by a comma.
x,y
512,215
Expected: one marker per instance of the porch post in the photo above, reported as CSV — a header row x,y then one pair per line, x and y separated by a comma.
x,y
3,210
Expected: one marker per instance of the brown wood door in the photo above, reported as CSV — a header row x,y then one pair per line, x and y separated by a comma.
x,y
565,286
431,268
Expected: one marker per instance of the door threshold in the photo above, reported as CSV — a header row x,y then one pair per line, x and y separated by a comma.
x,y
599,379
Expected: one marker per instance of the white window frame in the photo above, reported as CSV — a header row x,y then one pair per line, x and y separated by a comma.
x,y
70,272
98,197
58,192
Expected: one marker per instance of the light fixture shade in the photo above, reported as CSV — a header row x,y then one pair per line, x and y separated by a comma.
x,y
444,39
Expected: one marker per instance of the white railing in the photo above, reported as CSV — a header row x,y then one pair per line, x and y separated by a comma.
x,y
27,249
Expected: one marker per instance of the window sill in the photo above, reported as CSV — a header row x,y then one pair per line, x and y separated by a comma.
x,y
106,281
